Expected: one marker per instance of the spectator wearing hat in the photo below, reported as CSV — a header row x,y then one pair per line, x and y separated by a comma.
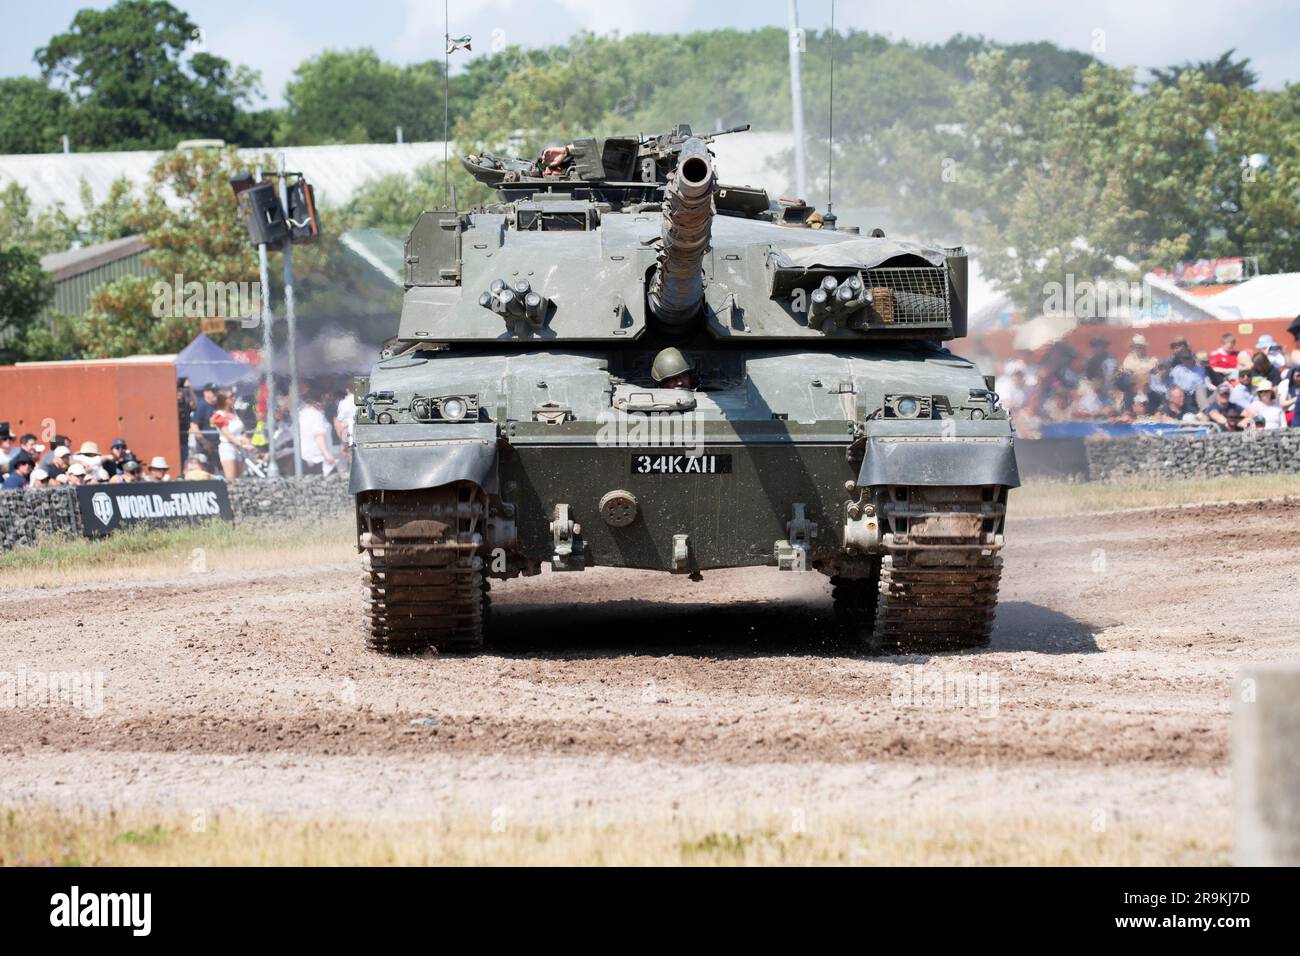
x,y
1277,355
39,478
1223,359
118,452
76,473
88,455
129,473
1138,363
58,441
60,461
1221,410
158,469
20,468
1141,407
1265,411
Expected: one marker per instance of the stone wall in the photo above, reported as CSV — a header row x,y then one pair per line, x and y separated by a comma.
x,y
1194,456
306,499
27,515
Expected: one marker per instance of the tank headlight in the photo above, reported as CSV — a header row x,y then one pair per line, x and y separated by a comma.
x,y
453,409
907,407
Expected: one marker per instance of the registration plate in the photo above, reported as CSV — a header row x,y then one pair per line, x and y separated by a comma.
x,y
657,464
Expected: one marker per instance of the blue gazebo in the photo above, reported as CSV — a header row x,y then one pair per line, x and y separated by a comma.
x,y
204,362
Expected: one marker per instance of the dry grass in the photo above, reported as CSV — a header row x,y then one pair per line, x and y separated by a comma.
x,y
40,836
1043,498
143,554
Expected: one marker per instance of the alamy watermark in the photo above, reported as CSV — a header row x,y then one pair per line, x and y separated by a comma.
x,y
941,689
77,690
682,431
179,299
1096,298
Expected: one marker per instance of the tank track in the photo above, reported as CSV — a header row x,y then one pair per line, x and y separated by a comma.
x,y
854,600
941,568
422,573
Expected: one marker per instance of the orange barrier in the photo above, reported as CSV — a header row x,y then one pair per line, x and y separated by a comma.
x,y
96,400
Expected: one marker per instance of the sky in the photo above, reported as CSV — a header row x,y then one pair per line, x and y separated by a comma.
x,y
274,40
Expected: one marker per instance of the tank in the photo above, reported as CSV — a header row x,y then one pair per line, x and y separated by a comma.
x,y
626,362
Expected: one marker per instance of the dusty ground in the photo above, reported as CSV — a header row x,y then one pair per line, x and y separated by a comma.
x,y
630,699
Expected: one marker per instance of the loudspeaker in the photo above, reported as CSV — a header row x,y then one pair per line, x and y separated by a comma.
x,y
305,225
262,213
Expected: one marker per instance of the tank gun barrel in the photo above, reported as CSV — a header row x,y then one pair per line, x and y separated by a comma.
x,y
678,284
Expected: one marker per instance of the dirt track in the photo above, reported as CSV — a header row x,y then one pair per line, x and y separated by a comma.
x,y
1107,686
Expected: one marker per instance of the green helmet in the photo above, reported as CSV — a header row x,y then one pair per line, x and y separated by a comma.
x,y
668,363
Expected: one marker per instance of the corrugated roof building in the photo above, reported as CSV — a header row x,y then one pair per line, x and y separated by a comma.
x,y
76,273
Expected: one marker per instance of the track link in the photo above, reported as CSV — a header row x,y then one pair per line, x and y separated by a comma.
x,y
939,576
422,574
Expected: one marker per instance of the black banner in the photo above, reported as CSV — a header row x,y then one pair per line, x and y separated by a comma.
x,y
1227,909
105,508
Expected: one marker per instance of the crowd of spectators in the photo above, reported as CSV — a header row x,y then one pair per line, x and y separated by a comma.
x,y
222,434
27,462
1229,389
229,427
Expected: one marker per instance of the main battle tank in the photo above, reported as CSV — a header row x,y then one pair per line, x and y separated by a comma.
x,y
625,362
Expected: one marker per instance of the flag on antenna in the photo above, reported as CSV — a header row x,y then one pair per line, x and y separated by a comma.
x,y
458,43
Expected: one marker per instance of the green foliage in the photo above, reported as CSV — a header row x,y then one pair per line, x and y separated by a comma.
x,y
1225,71
32,116
354,97
132,85
39,234
24,291
393,203
1043,185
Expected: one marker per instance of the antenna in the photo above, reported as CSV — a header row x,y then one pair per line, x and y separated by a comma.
x,y
795,39
829,218
446,97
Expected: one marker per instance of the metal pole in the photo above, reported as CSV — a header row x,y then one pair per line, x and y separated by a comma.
x,y
292,339
446,98
268,352
796,107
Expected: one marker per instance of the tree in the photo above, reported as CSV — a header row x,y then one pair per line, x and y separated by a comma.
x,y
132,85
354,97
1223,72
25,290
33,116
38,233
